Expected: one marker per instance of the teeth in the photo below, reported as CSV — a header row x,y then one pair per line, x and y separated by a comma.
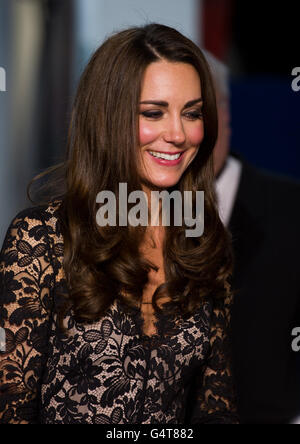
x,y
165,156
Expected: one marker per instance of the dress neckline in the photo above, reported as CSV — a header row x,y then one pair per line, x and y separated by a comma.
x,y
165,323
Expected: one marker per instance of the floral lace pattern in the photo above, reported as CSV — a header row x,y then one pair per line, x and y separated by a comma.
x,y
107,372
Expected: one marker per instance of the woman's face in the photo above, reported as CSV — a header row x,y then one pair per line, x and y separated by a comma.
x,y
170,122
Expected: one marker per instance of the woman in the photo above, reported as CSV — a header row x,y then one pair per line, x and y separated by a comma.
x,y
123,324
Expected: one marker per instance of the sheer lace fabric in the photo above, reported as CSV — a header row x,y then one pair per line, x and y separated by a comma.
x,y
108,372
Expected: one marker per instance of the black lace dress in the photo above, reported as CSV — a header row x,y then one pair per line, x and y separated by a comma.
x,y
108,372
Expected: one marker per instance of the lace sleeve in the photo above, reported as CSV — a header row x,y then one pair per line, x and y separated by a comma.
x,y
25,302
215,401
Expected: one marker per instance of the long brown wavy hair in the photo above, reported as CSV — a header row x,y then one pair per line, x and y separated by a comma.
x,y
104,263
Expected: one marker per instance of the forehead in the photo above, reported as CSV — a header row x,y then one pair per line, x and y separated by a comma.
x,y
169,80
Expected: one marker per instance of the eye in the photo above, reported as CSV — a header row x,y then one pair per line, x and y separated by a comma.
x,y
193,115
152,114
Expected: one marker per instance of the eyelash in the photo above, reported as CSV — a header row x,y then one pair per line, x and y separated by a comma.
x,y
191,115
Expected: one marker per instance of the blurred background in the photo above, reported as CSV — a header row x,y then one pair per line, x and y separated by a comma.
x,y
45,44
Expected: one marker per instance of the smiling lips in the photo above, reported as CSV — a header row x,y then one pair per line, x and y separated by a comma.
x,y
166,158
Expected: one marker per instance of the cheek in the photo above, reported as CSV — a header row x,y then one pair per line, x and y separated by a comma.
x,y
147,133
196,135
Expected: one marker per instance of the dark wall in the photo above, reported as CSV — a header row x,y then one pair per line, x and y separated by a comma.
x,y
266,122
265,109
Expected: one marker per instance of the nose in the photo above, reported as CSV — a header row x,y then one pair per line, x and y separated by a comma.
x,y
174,131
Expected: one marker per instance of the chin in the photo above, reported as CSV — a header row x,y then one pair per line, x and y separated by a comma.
x,y
164,183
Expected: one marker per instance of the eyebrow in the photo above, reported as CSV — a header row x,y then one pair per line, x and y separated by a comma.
x,y
165,104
